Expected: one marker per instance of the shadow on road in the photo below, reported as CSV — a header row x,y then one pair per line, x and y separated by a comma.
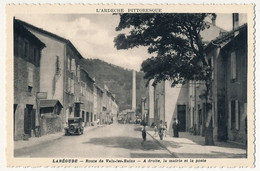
x,y
130,143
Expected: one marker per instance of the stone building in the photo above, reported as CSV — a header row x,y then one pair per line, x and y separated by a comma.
x,y
60,75
27,56
227,100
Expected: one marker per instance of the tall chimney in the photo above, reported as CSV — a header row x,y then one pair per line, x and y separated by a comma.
x,y
235,19
134,91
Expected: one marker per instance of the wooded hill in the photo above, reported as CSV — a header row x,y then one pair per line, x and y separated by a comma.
x,y
118,80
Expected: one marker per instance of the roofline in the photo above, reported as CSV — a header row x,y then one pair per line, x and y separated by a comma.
x,y
17,23
66,41
221,29
88,75
212,42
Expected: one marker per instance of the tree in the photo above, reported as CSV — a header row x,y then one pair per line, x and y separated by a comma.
x,y
174,41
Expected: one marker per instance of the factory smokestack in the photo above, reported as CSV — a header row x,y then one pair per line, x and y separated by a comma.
x,y
134,91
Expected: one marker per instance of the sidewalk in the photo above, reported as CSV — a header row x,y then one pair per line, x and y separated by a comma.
x,y
191,146
35,141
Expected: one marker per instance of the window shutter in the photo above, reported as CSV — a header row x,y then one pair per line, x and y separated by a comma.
x,y
229,114
30,77
73,66
26,125
212,67
33,118
237,115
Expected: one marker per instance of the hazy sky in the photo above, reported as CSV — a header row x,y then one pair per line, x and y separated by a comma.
x,y
93,35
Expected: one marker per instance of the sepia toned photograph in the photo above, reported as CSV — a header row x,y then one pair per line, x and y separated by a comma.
x,y
128,85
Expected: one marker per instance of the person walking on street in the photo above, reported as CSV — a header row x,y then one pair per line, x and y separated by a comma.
x,y
155,131
144,133
165,129
161,129
175,126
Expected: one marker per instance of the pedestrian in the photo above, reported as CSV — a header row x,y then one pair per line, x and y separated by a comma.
x,y
161,129
144,133
155,131
165,129
175,128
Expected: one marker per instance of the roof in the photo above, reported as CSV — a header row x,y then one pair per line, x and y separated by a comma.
x,y
226,37
88,76
49,103
22,31
66,41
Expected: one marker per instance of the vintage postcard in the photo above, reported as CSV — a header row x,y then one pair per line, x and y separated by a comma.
x,y
130,85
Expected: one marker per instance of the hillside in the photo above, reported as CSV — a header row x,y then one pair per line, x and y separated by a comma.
x,y
118,80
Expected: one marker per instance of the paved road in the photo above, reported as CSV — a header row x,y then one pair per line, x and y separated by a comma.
x,y
114,140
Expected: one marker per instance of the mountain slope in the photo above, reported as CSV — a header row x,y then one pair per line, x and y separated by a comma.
x,y
118,80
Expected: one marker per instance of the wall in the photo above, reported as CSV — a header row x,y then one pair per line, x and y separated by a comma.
x,y
175,96
237,89
21,94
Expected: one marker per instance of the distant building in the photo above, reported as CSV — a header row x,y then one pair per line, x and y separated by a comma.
x,y
86,100
27,56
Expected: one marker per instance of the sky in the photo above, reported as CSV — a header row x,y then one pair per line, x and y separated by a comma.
x,y
93,35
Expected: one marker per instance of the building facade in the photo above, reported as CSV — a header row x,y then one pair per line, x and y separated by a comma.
x,y
227,100
27,56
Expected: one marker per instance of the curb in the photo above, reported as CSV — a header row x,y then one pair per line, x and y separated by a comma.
x,y
17,150
162,145
37,144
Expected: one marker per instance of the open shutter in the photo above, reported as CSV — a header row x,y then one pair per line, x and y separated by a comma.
x,y
237,115
229,114
33,118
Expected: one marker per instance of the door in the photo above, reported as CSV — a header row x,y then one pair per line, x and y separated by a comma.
x,y
29,119
83,116
87,117
15,107
181,114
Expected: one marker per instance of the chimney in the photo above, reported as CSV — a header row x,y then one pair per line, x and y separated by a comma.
x,y
235,20
134,91
213,20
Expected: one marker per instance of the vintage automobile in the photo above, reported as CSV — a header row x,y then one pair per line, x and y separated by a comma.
x,y
75,126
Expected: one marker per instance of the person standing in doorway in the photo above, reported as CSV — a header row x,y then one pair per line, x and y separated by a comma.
x,y
175,126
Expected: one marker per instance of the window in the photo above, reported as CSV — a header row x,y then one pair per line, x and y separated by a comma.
x,y
233,66
235,115
72,86
30,77
73,66
68,63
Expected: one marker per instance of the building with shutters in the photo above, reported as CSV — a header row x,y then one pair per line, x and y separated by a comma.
x,y
62,78
27,56
227,100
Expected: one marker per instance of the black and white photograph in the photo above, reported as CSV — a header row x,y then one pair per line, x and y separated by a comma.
x,y
122,85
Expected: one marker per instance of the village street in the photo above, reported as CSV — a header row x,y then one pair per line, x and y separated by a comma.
x,y
116,140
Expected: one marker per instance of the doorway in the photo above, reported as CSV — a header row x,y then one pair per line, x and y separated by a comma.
x,y
181,114
29,119
15,107
87,117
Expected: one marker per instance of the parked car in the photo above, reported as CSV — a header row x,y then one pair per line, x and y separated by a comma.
x,y
75,126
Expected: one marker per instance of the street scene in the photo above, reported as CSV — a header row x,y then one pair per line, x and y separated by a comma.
x,y
148,85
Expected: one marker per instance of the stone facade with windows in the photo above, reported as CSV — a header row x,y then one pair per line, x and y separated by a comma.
x,y
27,55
